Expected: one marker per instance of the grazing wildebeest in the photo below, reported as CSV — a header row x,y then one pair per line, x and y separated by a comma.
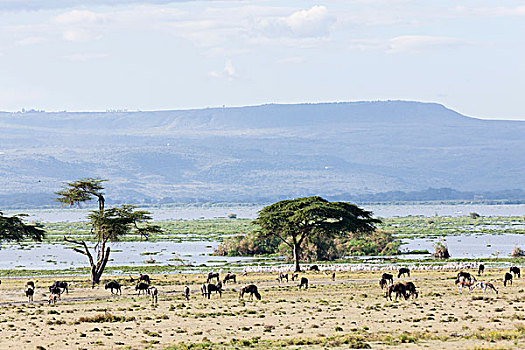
x,y
154,292
304,283
403,271
388,277
516,271
294,276
210,287
213,275
55,290
410,290
228,277
483,286
481,269
30,284
144,278
113,285
61,285
466,276
187,293
508,278
250,289
142,286
282,277
398,288
383,283
29,293
314,268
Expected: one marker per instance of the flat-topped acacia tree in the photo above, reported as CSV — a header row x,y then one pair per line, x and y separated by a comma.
x,y
107,225
13,228
292,221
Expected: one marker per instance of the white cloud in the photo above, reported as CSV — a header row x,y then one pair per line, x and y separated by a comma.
x,y
77,35
227,73
314,22
79,17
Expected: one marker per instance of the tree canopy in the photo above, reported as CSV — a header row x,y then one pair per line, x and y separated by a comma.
x,y
293,221
108,225
13,228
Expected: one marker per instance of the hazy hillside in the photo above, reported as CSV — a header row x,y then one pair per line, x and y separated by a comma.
x,y
260,153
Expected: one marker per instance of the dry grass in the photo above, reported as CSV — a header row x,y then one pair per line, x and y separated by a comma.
x,y
350,312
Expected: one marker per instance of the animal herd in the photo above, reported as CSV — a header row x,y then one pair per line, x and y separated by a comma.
x,y
402,290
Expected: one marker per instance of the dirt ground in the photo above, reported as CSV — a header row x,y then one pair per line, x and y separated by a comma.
x,y
349,312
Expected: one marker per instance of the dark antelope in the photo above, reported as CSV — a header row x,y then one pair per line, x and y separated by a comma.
x,y
252,290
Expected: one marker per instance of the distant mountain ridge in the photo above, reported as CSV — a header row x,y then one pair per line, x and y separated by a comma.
x,y
261,153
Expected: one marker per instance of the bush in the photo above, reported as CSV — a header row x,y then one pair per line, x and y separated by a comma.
x,y
316,248
441,251
517,252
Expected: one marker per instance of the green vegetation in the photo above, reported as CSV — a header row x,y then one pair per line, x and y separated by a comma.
x,y
13,228
309,228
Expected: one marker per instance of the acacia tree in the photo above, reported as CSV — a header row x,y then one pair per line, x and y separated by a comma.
x,y
13,228
292,221
107,225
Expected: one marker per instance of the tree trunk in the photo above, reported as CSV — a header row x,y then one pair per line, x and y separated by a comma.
x,y
296,256
98,269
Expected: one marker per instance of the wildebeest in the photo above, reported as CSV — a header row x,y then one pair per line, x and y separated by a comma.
x,y
410,290
304,283
481,269
398,288
187,293
282,277
144,278
403,271
250,289
207,288
29,293
383,283
333,276
483,286
388,277
228,277
466,276
113,285
294,276
314,268
516,271
154,292
508,278
61,285
142,286
213,275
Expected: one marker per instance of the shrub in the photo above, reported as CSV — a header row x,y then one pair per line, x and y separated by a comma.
x,y
441,251
517,252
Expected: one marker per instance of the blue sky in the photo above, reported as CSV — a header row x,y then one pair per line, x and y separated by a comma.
x,y
151,55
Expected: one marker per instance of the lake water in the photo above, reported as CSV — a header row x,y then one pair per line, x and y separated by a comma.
x,y
58,256
250,212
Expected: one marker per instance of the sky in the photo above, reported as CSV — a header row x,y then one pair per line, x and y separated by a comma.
x,y
155,55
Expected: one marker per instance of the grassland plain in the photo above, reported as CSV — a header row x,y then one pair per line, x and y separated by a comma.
x,y
350,312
